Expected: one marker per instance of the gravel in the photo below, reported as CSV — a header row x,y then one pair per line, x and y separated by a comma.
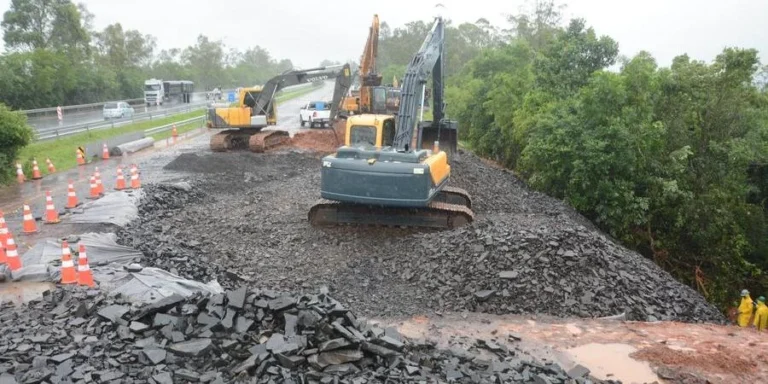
x,y
78,335
244,223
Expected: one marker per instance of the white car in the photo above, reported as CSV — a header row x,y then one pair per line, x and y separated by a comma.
x,y
315,113
118,109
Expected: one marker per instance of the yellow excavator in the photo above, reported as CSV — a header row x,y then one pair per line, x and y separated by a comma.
x,y
242,125
387,175
371,97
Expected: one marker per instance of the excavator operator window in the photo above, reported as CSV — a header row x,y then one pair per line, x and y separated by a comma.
x,y
362,136
388,133
379,100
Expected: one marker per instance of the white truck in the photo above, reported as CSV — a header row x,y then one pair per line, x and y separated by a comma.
x,y
315,113
154,92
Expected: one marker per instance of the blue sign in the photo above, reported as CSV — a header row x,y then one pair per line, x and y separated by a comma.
x,y
231,97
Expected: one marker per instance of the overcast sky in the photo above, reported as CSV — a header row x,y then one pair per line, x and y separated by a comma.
x,y
308,31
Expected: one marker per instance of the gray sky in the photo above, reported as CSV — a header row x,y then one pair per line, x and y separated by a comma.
x,y
308,31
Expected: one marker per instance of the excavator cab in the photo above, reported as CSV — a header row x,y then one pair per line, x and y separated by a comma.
x,y
370,131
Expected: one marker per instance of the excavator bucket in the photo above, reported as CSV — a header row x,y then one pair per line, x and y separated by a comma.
x,y
446,134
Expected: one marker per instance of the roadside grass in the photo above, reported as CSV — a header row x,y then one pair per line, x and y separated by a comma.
x,y
62,151
182,128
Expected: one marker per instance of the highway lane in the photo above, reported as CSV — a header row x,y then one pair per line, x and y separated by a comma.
x,y
95,115
288,111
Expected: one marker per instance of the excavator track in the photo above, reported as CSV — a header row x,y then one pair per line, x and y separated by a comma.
x,y
436,215
453,195
229,139
265,140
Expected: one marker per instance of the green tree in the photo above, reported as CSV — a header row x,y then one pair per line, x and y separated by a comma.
x,y
14,135
206,62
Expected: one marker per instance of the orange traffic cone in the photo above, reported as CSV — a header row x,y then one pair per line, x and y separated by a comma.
x,y
12,255
36,175
71,196
84,275
94,189
51,168
68,272
20,173
3,257
80,158
120,185
174,132
29,225
105,152
97,175
51,215
3,231
135,182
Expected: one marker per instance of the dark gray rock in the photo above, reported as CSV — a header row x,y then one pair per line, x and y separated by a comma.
x,y
155,356
192,348
236,299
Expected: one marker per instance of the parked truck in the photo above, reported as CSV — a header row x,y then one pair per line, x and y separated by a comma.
x,y
315,113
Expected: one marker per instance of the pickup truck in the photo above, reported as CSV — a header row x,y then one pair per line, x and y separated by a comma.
x,y
315,113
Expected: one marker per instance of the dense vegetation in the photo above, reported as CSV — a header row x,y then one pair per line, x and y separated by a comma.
x,y
671,161
55,57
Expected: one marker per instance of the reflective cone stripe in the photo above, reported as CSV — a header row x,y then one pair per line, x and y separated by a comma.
x,y
94,189
3,231
80,159
51,215
120,184
51,168
19,173
36,175
12,255
29,225
68,272
84,275
71,196
97,175
105,152
135,182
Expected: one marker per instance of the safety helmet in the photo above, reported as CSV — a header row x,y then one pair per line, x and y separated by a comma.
x,y
744,292
761,299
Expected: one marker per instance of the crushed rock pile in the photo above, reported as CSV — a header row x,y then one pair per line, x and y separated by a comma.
x,y
526,252
503,265
74,335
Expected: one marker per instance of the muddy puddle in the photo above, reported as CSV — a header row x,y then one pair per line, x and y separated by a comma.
x,y
23,292
612,361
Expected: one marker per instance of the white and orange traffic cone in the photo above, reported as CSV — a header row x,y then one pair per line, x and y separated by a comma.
x,y
71,196
68,271
51,168
94,189
20,173
135,182
80,158
97,175
105,152
3,231
36,175
51,215
174,132
12,255
29,225
84,274
120,183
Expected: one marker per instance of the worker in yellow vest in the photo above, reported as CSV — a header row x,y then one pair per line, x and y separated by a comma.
x,y
761,314
745,309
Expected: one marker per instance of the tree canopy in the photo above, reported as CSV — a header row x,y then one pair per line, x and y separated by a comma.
x,y
55,57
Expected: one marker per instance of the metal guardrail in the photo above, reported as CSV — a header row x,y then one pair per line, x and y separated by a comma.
x,y
80,107
57,132
166,127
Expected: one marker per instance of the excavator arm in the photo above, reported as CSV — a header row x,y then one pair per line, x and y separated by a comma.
x,y
343,82
261,103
